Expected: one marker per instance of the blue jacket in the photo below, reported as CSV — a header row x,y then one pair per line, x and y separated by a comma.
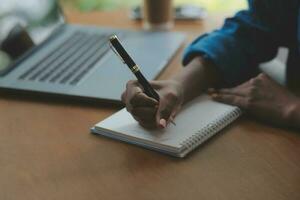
x,y
250,37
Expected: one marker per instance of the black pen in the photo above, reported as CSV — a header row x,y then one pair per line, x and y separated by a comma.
x,y
119,50
117,47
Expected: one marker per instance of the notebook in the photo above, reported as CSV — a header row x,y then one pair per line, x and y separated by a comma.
x,y
197,121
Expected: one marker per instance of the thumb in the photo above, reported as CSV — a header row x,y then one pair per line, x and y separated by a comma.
x,y
163,114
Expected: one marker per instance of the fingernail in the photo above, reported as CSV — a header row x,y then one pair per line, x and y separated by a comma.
x,y
162,123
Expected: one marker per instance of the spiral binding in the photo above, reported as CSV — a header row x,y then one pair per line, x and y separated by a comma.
x,y
210,129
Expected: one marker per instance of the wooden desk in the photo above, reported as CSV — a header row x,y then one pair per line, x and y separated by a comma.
x,y
47,152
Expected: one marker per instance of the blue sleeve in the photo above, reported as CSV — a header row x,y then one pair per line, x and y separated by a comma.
x,y
236,48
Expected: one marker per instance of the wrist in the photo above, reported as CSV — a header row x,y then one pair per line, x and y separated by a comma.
x,y
197,76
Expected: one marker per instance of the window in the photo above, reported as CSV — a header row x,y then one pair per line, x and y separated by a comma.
x,y
210,5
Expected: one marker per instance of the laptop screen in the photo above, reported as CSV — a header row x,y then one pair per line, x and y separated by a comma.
x,y
24,25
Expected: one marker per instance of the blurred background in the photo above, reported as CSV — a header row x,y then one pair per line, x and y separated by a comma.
x,y
210,5
40,17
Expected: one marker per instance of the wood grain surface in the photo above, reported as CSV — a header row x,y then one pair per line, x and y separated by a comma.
x,y
47,152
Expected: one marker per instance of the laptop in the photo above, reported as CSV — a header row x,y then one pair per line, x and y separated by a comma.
x,y
42,54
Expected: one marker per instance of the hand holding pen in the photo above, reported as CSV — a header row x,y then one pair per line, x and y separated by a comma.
x,y
142,100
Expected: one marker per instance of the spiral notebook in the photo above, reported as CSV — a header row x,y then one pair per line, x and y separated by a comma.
x,y
197,121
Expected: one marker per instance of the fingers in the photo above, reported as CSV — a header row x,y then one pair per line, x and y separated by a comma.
x,y
244,95
149,112
151,125
175,111
168,108
145,114
240,90
156,84
233,91
249,89
134,96
163,115
234,100
141,99
142,107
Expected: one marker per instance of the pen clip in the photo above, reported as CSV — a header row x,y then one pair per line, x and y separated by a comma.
x,y
114,50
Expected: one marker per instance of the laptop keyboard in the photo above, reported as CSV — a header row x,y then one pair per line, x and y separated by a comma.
x,y
69,61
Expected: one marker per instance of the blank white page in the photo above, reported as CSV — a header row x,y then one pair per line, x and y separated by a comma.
x,y
194,116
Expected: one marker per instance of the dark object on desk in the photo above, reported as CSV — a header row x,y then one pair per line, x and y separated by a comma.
x,y
184,12
17,42
120,51
73,60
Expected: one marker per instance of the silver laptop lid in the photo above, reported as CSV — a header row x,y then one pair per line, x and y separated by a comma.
x,y
23,26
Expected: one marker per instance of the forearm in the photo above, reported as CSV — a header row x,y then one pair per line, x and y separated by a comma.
x,y
196,77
